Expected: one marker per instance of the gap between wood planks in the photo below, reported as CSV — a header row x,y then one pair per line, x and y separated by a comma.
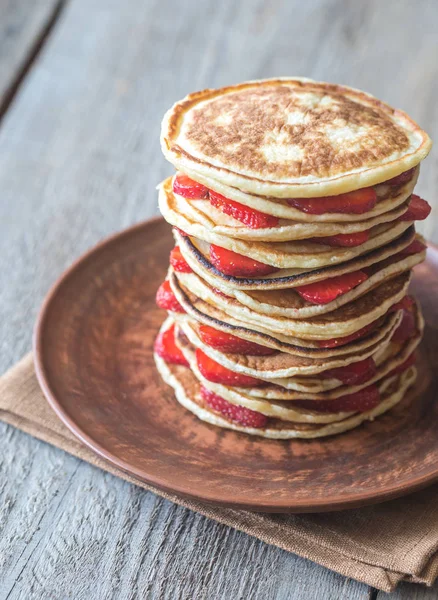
x,y
31,57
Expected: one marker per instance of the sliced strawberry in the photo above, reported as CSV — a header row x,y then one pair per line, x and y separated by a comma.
x,y
407,328
353,203
237,414
230,344
166,299
414,247
216,373
347,240
178,261
254,219
336,342
231,263
188,188
353,374
181,232
360,401
405,303
220,293
418,210
323,292
409,362
166,348
402,178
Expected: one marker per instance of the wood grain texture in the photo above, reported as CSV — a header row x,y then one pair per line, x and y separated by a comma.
x,y
23,24
79,159
101,538
410,591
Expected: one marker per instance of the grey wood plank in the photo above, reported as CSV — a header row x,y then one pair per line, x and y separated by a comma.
x,y
22,23
79,158
27,500
411,591
85,534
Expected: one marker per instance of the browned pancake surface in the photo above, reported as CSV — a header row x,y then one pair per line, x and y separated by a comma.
x,y
238,128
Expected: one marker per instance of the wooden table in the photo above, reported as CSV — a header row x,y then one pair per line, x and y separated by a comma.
x,y
83,86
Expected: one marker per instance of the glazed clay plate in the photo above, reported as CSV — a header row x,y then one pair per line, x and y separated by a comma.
x,y
93,358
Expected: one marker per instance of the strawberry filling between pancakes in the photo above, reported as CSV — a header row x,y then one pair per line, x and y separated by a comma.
x,y
356,202
353,374
167,349
233,412
230,344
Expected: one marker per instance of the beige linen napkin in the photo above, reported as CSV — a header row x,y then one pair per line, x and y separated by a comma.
x,y
379,545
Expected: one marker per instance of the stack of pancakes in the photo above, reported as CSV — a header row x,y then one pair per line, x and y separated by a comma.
x,y
293,215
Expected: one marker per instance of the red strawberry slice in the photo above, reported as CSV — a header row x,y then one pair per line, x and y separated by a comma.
x,y
237,414
407,328
360,401
414,247
231,263
166,348
347,240
323,292
166,299
418,210
405,303
409,362
402,178
181,232
220,293
230,344
354,203
254,219
188,188
178,261
336,342
353,374
216,373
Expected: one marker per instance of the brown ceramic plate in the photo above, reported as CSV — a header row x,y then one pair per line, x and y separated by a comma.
x,y
93,357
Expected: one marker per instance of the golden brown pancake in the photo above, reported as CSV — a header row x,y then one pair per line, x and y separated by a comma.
x,y
263,144
187,393
307,254
199,218
196,255
381,331
273,400
289,303
292,378
341,322
304,371
291,138
388,197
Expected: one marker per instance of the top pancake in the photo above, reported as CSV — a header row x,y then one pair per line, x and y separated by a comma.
x,y
291,138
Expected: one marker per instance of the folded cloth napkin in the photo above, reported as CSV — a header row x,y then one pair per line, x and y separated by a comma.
x,y
378,545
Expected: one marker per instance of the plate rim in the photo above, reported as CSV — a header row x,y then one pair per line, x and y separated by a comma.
x,y
335,503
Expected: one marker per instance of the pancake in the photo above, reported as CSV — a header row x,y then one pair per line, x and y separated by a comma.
x,y
279,367
199,218
187,393
389,196
343,321
299,387
305,253
266,144
274,408
195,253
208,315
289,303
291,138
